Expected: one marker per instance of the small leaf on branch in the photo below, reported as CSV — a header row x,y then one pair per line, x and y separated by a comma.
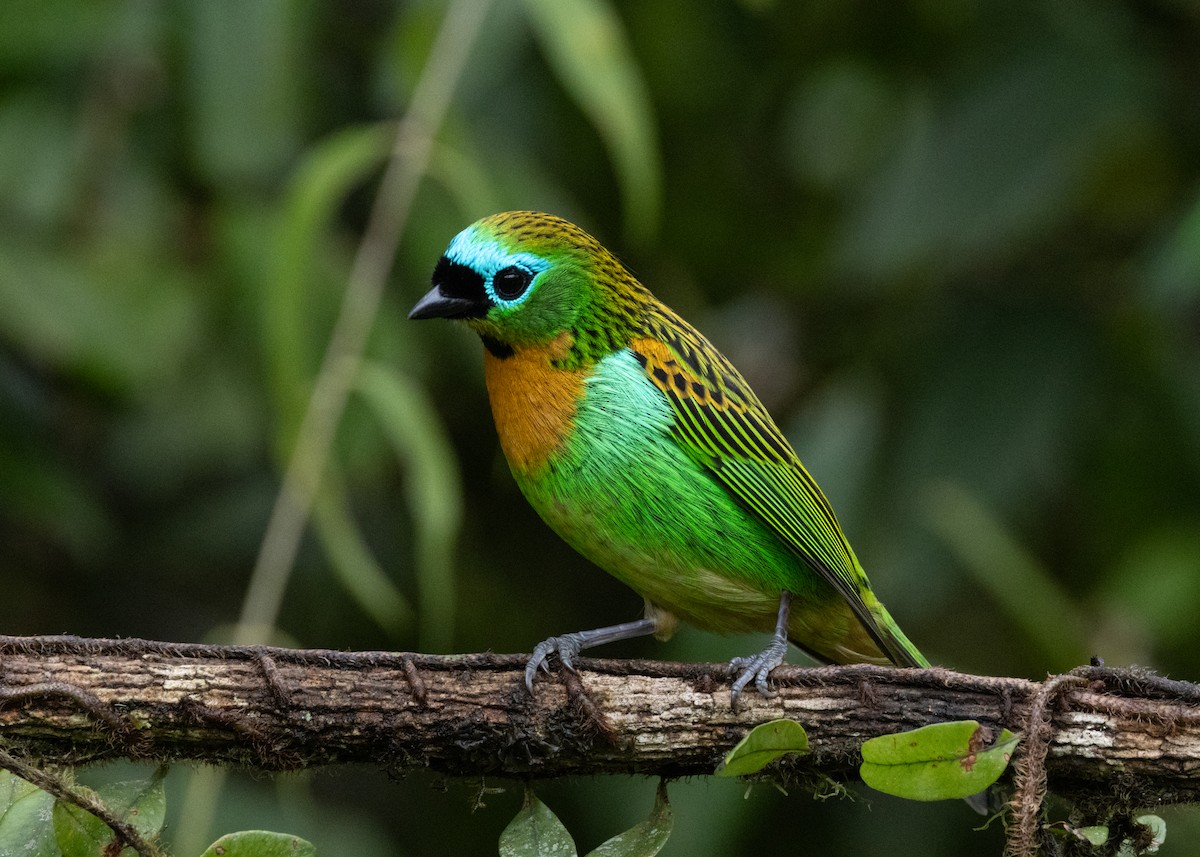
x,y
260,843
937,762
645,839
1154,834
25,810
1095,834
536,832
140,803
762,745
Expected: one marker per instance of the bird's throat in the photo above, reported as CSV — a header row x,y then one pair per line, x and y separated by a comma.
x,y
533,402
496,348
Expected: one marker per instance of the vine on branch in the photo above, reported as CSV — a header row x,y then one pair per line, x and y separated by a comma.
x,y
1122,739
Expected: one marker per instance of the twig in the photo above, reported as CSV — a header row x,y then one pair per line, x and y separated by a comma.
x,y
343,356
122,830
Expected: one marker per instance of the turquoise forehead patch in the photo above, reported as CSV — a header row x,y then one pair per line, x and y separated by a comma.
x,y
483,254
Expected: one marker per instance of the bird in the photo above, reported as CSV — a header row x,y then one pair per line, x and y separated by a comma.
x,y
640,444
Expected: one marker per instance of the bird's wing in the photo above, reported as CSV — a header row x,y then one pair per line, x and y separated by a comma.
x,y
721,423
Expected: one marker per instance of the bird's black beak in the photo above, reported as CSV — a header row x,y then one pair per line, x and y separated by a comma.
x,y
457,293
438,304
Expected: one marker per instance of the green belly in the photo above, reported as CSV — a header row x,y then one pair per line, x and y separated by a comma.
x,y
628,498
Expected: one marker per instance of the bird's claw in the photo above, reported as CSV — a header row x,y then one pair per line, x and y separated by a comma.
x,y
566,647
756,668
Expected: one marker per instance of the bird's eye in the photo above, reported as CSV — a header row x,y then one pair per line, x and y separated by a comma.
x,y
511,282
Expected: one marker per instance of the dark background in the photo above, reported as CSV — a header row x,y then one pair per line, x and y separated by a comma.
x,y
954,246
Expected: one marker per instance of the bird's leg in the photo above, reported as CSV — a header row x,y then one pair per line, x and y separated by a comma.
x,y
758,667
567,646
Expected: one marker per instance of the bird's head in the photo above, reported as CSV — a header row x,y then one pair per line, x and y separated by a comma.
x,y
522,278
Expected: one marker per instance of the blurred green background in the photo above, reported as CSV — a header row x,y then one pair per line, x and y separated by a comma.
x,y
955,246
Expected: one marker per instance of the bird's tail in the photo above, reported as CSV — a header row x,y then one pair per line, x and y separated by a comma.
x,y
898,648
862,632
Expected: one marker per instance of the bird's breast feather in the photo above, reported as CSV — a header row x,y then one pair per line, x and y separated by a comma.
x,y
534,402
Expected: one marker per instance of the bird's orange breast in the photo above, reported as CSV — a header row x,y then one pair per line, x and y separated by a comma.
x,y
533,402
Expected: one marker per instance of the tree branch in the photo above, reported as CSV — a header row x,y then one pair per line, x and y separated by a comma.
x,y
1120,738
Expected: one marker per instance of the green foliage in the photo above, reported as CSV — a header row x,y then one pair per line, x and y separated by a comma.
x,y
941,761
761,746
292,332
955,247
26,819
646,838
1150,832
260,843
586,44
1153,834
537,832
34,824
408,418
141,804
1093,835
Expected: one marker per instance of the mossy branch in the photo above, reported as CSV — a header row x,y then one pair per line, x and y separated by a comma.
x,y
1118,738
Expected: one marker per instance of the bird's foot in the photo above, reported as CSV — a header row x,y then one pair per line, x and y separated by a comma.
x,y
566,646
756,668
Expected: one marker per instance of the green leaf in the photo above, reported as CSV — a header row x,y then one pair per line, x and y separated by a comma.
x,y
586,45
140,803
1093,835
937,762
351,558
434,491
536,832
291,325
25,819
1157,829
122,334
293,310
762,745
645,839
260,843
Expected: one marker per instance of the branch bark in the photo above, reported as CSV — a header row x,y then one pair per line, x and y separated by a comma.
x,y
1119,738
